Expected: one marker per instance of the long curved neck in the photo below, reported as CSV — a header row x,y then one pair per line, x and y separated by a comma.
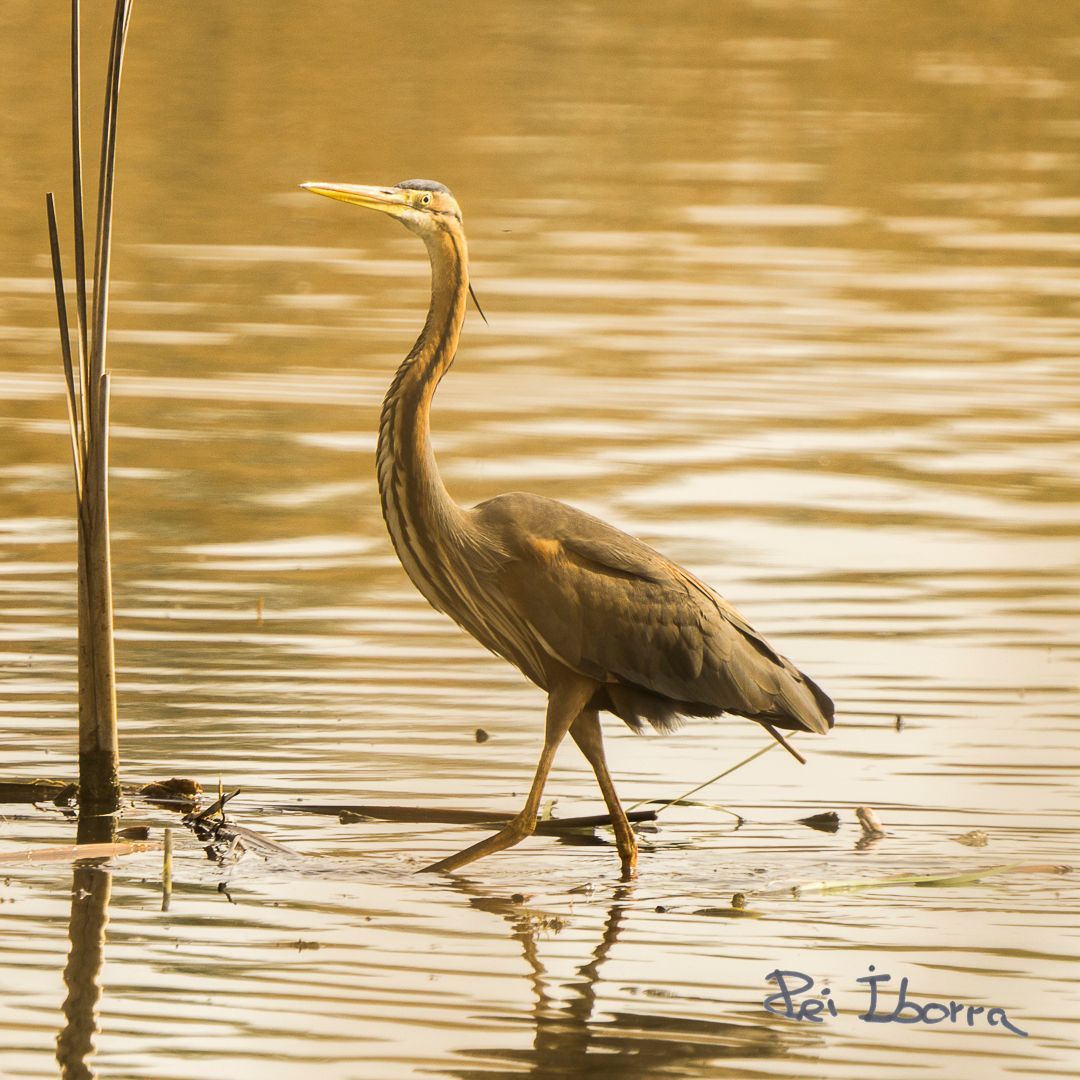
x,y
425,524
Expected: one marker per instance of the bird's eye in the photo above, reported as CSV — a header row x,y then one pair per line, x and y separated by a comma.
x,y
426,199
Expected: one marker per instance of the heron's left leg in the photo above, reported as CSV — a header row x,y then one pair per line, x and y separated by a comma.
x,y
567,696
585,731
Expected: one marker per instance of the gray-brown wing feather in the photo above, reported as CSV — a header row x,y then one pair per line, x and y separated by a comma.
x,y
663,643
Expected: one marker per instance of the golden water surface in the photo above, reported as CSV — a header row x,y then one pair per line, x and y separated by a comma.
x,y
788,288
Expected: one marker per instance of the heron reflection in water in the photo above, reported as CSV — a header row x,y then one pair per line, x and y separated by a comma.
x,y
593,616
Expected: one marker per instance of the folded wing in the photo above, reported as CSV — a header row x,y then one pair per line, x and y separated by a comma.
x,y
662,642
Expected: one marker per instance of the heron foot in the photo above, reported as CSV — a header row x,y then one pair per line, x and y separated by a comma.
x,y
513,832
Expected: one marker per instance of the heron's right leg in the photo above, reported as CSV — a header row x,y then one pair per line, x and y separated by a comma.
x,y
567,696
585,731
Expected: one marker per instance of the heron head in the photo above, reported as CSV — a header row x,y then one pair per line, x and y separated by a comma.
x,y
425,207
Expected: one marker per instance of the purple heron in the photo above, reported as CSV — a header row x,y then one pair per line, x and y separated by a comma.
x,y
593,616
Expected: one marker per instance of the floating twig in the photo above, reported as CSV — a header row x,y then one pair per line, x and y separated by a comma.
x,y
967,877
665,803
225,838
214,807
422,815
784,743
76,852
30,791
166,871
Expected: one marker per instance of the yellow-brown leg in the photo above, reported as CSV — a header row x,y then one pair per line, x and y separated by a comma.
x,y
585,731
567,696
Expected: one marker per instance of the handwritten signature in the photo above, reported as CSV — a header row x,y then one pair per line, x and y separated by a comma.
x,y
792,985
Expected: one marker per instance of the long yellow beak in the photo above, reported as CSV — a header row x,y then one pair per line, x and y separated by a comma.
x,y
387,200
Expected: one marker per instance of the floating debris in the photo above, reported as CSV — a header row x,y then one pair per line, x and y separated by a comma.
x,y
828,822
76,852
216,807
166,871
727,913
172,791
975,838
737,910
30,791
481,735
64,793
67,795
424,815
969,877
225,840
868,819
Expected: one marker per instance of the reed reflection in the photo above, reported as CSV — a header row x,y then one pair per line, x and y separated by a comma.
x,y
91,889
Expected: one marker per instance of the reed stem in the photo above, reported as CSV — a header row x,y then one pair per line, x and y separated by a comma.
x,y
88,396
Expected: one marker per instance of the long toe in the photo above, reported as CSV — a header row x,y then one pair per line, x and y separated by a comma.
x,y
510,834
